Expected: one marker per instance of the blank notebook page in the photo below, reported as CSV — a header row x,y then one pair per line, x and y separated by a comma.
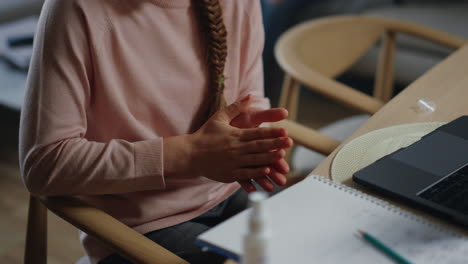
x,y
317,220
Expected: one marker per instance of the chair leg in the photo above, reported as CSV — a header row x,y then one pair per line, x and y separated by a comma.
x,y
36,234
283,100
289,98
383,88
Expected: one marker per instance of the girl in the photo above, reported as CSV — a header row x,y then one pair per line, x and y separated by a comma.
x,y
150,111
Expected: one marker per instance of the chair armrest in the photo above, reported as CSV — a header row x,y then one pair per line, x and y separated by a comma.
x,y
334,89
424,32
110,231
308,137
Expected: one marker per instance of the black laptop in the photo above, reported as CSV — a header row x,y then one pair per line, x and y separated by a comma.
x,y
432,173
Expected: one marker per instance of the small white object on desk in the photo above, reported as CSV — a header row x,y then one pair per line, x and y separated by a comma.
x,y
426,106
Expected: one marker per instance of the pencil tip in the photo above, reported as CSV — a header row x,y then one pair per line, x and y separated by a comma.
x,y
360,232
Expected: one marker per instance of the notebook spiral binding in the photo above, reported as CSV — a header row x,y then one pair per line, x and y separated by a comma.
x,y
387,205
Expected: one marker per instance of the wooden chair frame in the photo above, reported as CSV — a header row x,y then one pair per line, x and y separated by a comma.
x,y
114,234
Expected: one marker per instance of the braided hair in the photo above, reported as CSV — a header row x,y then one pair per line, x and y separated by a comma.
x,y
215,34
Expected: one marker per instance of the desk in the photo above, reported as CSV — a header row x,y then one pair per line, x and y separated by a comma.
x,y
446,84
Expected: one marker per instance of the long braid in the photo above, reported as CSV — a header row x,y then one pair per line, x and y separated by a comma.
x,y
211,16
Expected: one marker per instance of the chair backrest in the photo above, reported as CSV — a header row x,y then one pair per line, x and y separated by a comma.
x,y
331,45
328,45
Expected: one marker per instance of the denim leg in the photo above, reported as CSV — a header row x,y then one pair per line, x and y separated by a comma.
x,y
236,203
180,239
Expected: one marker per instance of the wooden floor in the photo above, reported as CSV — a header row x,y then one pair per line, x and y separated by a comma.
x,y
63,244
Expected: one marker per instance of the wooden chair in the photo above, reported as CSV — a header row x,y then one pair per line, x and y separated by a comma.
x,y
313,53
94,222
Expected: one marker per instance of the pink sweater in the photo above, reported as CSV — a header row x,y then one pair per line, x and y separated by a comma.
x,y
109,80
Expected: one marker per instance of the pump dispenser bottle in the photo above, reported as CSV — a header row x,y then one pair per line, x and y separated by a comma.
x,y
258,235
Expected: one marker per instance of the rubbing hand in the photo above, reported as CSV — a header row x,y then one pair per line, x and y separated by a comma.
x,y
225,153
276,1
251,118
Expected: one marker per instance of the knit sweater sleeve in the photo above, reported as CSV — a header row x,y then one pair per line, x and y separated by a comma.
x,y
56,158
254,39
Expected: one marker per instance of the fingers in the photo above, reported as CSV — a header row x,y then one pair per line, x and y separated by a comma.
x,y
262,133
274,177
278,178
234,109
260,159
247,185
281,166
266,145
265,183
246,174
270,115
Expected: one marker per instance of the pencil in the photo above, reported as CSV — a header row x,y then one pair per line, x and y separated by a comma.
x,y
383,248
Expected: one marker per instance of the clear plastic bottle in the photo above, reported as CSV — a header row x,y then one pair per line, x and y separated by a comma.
x,y
256,241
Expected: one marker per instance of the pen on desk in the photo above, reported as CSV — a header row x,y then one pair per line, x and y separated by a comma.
x,y
383,248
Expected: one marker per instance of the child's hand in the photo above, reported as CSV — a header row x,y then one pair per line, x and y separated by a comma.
x,y
253,118
224,153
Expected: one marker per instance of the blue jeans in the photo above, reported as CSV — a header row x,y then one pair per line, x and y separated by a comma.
x,y
180,238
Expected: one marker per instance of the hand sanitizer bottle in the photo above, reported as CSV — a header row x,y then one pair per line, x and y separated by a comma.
x,y
258,236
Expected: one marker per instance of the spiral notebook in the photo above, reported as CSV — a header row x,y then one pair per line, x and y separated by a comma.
x,y
317,220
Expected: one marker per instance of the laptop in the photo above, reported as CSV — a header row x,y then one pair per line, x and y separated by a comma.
x,y
431,174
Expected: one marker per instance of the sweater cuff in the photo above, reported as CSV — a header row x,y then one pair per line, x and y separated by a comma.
x,y
149,162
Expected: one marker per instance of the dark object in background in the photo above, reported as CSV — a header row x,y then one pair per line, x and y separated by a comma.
x,y
18,41
21,62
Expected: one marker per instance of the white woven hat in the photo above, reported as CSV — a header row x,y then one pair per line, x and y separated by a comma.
x,y
369,147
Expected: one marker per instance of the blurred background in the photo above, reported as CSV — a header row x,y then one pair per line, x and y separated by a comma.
x,y
18,19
